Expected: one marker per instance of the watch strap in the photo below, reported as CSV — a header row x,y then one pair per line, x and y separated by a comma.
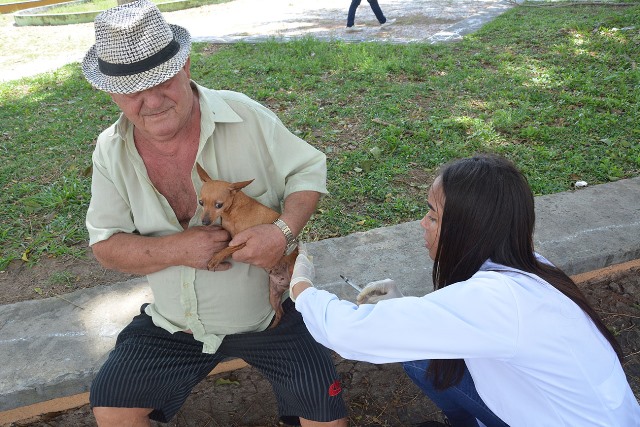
x,y
288,235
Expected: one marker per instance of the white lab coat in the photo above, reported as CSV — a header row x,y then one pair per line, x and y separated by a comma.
x,y
535,357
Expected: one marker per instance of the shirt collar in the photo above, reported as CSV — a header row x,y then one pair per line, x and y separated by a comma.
x,y
212,101
490,265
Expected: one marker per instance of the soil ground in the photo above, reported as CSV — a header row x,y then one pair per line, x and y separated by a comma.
x,y
377,395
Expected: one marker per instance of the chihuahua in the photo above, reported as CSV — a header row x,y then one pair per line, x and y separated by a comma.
x,y
237,212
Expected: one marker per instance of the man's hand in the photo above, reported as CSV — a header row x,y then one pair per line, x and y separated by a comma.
x,y
265,245
132,253
376,291
200,243
303,271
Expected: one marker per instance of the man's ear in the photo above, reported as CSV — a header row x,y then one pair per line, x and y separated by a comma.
x,y
187,67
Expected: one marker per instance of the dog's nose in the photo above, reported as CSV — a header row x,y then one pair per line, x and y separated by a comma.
x,y
206,220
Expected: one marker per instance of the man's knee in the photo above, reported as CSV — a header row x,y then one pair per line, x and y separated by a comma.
x,y
121,417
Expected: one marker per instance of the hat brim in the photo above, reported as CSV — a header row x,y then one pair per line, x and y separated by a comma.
x,y
140,81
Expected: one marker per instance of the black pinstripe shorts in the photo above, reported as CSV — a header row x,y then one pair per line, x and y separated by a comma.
x,y
151,368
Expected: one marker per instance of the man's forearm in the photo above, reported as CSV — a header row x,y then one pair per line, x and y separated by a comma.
x,y
136,254
298,208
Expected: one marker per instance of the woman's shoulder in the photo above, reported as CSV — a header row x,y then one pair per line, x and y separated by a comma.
x,y
519,284
483,285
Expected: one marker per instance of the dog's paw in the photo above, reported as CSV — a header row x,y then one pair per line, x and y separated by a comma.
x,y
218,265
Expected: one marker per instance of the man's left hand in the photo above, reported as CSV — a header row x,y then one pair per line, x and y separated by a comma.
x,y
265,245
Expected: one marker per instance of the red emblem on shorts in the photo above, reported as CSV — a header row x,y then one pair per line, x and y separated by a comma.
x,y
335,388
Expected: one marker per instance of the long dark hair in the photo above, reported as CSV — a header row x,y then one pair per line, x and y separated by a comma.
x,y
489,214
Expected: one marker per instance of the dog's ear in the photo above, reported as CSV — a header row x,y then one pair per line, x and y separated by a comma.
x,y
237,186
202,174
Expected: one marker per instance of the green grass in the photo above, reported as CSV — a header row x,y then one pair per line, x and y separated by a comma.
x,y
89,6
556,89
96,5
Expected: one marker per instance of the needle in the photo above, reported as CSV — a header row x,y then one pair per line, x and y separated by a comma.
x,y
353,285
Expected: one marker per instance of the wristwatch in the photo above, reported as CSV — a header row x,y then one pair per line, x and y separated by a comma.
x,y
291,239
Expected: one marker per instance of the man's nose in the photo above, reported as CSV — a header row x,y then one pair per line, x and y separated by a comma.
x,y
153,97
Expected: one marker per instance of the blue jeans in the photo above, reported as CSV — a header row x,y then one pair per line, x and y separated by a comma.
x,y
460,403
351,17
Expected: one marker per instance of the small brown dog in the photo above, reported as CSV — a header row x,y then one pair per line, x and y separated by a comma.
x,y
237,212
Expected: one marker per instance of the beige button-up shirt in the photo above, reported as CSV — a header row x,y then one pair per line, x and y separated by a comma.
x,y
240,140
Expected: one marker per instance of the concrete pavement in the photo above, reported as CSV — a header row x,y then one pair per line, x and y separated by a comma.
x,y
51,348
36,49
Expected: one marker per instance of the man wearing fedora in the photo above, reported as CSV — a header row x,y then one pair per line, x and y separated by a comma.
x,y
143,218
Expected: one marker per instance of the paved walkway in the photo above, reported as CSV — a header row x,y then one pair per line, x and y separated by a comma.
x,y
35,49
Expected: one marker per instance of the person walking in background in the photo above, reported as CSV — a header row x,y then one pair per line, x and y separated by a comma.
x,y
351,17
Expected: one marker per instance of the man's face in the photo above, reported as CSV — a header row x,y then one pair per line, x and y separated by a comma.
x,y
161,111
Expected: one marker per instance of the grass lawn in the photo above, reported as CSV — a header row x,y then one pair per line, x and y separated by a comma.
x,y
556,89
95,5
90,6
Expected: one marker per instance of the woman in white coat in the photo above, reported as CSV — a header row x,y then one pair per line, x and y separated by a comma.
x,y
506,338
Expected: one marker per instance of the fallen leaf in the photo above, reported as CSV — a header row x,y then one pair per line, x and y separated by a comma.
x,y
224,381
376,151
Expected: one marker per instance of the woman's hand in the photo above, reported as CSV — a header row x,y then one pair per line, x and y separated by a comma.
x,y
376,291
303,273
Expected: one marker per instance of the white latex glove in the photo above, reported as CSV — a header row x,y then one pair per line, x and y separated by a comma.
x,y
376,291
303,269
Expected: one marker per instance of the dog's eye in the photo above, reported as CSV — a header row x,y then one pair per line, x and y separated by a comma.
x,y
218,205
200,202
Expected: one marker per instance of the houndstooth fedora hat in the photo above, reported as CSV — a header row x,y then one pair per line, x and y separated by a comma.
x,y
135,49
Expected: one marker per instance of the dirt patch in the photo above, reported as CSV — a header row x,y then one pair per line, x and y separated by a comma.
x,y
378,395
51,276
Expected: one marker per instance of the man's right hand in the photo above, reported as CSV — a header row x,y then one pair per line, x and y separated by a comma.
x,y
200,243
132,253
